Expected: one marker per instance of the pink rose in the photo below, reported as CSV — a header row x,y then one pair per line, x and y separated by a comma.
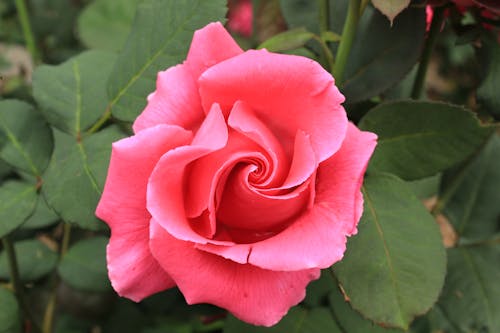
x,y
240,16
241,182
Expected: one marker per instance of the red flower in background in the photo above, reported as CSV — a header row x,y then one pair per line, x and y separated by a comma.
x,y
240,17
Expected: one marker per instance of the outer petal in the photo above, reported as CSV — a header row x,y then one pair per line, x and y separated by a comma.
x,y
210,45
287,93
133,272
255,295
176,101
318,237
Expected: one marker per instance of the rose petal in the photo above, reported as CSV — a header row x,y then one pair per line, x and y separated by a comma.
x,y
303,163
210,45
133,272
176,101
208,173
244,207
287,93
166,187
318,237
255,295
243,120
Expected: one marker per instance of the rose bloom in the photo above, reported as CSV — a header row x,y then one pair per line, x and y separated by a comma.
x,y
240,16
241,182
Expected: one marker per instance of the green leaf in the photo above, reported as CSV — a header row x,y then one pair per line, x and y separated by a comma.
x,y
382,54
391,8
9,312
426,187
471,295
420,139
17,202
43,216
5,169
288,40
83,267
394,267
349,319
28,137
298,320
301,13
105,24
169,26
317,291
489,59
73,95
75,177
474,208
34,260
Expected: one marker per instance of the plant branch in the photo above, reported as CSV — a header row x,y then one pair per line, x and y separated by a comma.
x,y
436,24
348,34
48,317
22,13
324,15
16,281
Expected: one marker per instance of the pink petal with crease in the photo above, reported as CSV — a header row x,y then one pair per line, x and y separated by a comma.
x,y
252,294
133,272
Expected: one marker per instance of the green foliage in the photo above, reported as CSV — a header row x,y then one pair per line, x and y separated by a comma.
x,y
84,265
105,24
381,55
35,260
288,40
487,93
169,25
56,133
79,85
298,320
349,319
420,139
403,274
28,137
9,312
470,208
17,202
471,295
43,216
80,165
391,8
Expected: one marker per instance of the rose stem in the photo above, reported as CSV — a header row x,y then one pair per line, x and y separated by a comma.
x,y
26,28
51,304
324,15
16,281
436,24
348,34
